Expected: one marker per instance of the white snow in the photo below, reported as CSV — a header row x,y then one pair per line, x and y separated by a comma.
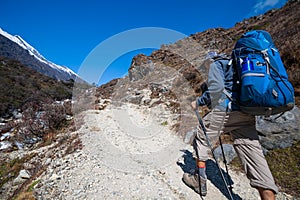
x,y
19,145
32,51
5,135
5,145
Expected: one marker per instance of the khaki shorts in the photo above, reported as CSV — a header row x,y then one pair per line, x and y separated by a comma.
x,y
246,143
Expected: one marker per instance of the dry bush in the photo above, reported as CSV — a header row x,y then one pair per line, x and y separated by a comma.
x,y
42,119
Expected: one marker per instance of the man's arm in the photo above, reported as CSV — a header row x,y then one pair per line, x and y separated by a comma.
x,y
215,87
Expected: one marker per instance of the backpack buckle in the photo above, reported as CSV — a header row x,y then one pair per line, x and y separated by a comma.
x,y
268,112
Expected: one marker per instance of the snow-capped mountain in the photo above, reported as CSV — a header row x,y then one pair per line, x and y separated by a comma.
x,y
14,47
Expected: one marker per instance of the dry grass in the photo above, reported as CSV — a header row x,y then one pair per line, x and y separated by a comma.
x,y
285,167
25,196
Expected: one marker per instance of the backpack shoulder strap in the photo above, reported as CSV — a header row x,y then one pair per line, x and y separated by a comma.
x,y
221,57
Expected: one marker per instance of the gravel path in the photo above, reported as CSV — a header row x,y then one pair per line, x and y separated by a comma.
x,y
130,153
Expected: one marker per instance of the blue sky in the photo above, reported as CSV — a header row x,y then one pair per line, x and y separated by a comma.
x,y
66,32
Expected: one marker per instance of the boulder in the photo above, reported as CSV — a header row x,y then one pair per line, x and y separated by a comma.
x,y
279,131
229,153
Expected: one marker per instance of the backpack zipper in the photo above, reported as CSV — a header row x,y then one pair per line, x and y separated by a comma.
x,y
252,74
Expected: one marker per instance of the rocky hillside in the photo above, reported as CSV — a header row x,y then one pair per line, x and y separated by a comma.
x,y
187,55
33,107
23,85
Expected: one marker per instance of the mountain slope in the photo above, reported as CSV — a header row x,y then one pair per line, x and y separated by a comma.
x,y
23,85
187,55
14,47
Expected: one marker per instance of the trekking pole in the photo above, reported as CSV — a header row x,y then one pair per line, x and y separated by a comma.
x,y
212,151
225,163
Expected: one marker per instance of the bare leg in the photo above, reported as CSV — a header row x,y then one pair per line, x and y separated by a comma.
x,y
266,194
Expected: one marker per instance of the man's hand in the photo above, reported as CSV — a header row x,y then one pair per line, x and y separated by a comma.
x,y
194,105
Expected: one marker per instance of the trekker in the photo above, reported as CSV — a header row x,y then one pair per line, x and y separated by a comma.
x,y
225,117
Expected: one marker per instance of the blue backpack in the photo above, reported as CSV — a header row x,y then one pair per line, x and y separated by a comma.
x,y
264,88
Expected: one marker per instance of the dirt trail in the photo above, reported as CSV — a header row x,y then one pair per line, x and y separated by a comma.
x,y
130,153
